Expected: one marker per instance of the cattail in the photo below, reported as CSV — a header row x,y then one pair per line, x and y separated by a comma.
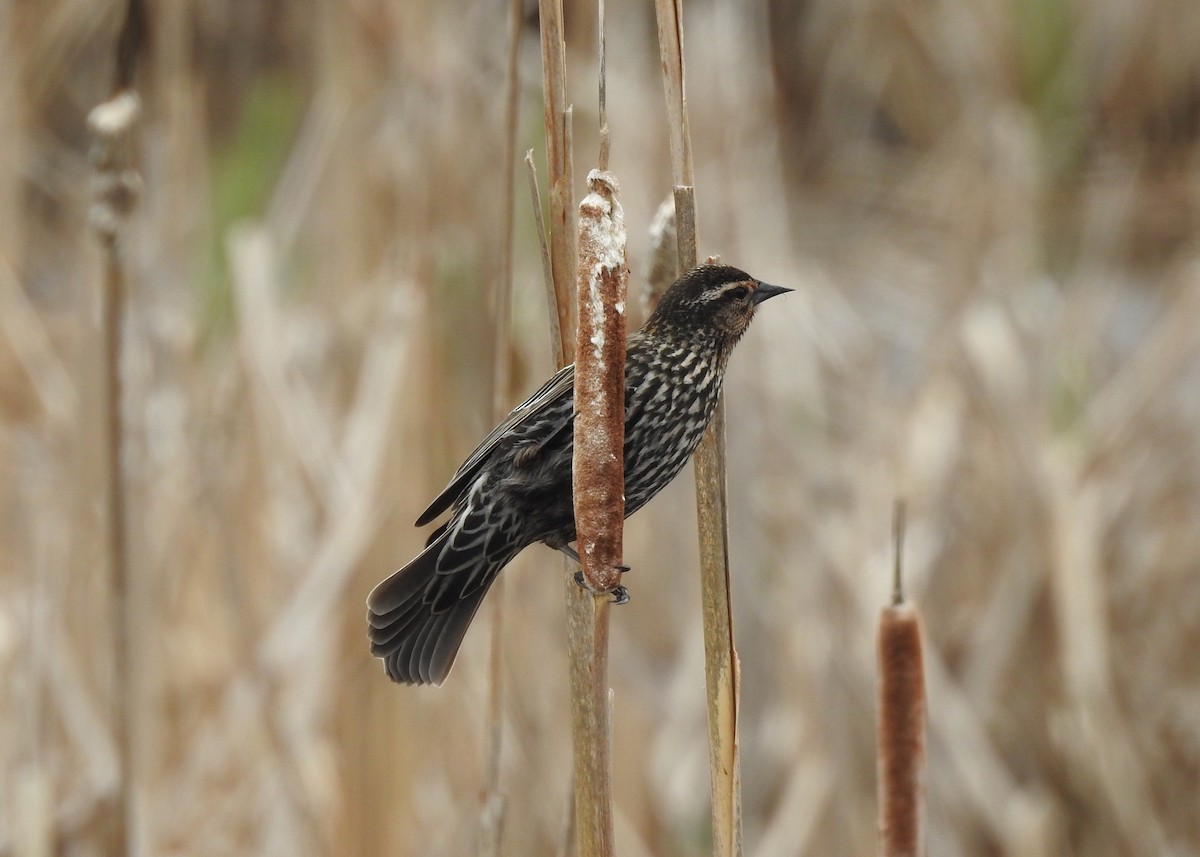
x,y
901,724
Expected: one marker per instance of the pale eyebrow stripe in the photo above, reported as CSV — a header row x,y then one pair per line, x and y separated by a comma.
x,y
712,296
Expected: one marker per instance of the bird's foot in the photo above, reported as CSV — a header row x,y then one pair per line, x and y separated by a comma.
x,y
619,593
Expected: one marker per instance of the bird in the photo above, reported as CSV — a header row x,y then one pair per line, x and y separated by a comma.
x,y
515,488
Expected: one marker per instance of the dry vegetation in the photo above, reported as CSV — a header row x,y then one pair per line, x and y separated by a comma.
x,y
989,211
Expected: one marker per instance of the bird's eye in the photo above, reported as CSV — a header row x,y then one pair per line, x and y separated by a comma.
x,y
740,293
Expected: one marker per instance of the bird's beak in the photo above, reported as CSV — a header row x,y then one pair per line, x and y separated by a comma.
x,y
766,290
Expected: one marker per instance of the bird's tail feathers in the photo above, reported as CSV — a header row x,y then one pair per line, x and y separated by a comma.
x,y
413,626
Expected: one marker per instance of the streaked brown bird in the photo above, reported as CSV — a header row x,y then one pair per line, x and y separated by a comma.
x,y
515,488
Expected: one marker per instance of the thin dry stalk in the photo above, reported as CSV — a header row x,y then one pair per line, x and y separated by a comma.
x,y
591,723
669,14
535,198
493,802
721,668
720,656
605,137
559,163
685,226
562,211
901,725
112,126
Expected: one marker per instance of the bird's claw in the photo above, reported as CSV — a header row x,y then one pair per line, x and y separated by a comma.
x,y
620,595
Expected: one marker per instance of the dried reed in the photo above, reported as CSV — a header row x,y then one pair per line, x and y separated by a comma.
x,y
721,660
989,212
113,125
559,158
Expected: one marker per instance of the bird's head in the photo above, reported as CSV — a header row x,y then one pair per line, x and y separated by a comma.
x,y
711,303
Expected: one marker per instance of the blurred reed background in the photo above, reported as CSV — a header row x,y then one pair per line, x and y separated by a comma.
x,y
989,211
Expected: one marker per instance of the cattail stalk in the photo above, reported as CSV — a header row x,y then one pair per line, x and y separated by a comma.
x,y
599,433
599,487
901,724
112,125
721,663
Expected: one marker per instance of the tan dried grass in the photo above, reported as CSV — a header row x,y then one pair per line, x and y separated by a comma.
x,y
1004,337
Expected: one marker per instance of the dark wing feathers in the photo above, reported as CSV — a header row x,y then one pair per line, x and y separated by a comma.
x,y
418,616
561,383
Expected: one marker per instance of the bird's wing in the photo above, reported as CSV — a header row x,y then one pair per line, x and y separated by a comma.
x,y
560,383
